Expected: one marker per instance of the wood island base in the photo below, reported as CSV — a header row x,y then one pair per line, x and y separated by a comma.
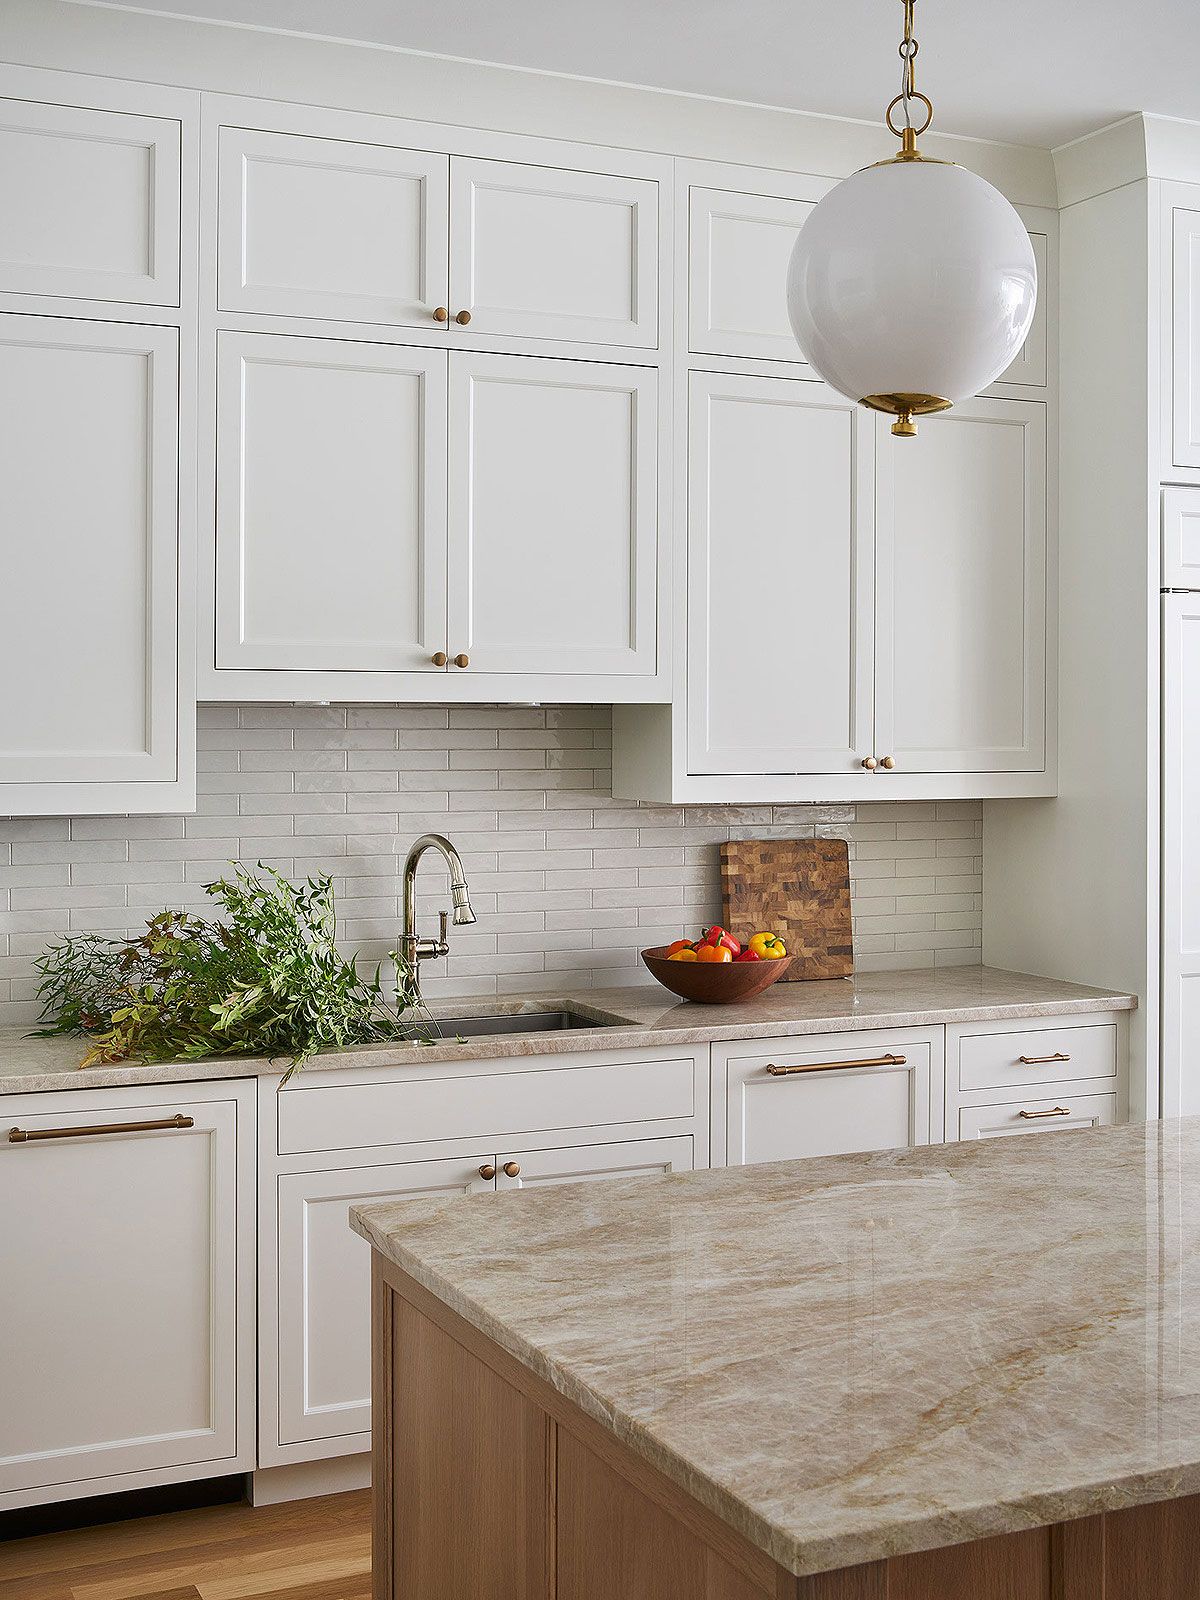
x,y
489,1485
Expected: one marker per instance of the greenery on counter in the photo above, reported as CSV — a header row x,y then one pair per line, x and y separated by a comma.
x,y
265,980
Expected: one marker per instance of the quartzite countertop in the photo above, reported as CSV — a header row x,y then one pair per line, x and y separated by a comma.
x,y
637,1017
860,1356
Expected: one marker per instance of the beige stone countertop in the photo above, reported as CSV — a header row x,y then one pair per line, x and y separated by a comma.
x,y
633,1018
858,1356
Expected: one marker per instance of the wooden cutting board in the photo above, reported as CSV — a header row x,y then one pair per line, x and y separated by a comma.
x,y
798,888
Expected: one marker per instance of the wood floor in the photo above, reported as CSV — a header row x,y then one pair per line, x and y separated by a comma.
x,y
305,1550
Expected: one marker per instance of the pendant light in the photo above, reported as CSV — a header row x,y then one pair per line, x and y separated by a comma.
x,y
912,283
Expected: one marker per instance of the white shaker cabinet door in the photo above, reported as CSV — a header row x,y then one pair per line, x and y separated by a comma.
x,y
124,1261
550,253
89,602
960,629
315,1345
553,522
739,248
330,504
89,203
832,1097
330,228
1181,855
779,577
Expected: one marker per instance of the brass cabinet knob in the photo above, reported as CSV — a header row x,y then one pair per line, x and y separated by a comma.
x,y
462,318
441,313
439,658
889,762
487,1171
463,660
870,763
512,1169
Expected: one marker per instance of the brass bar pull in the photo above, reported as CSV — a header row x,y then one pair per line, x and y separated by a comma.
x,y
828,1066
27,1135
1058,1111
1036,1061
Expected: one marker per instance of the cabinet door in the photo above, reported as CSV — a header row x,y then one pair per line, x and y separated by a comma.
x,y
960,619
1185,337
90,596
1037,1116
90,204
631,1158
330,228
316,1351
779,577
1181,855
330,504
739,247
547,253
875,1095
118,1319
553,542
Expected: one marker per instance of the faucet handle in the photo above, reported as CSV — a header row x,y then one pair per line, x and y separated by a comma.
x,y
444,936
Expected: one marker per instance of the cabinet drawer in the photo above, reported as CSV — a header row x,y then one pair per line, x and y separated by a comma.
x,y
426,1105
1037,1116
832,1096
1037,1056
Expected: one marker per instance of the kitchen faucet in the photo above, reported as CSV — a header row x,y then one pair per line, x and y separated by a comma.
x,y
414,950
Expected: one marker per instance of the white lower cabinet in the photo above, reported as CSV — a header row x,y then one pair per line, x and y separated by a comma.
x,y
788,1098
472,1127
127,1310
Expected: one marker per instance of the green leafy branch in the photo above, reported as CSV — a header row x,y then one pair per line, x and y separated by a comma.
x,y
267,980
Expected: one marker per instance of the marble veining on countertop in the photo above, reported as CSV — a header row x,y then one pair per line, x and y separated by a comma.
x,y
859,1356
637,1017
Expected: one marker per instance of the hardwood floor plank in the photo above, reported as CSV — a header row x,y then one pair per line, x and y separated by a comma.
x,y
304,1550
79,1548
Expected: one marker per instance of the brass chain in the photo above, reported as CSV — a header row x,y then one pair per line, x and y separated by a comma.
x,y
907,133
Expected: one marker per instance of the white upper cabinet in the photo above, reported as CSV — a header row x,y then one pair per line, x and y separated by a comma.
x,y
1184,247
331,228
553,516
89,605
739,246
331,468
551,253
960,630
779,577
90,204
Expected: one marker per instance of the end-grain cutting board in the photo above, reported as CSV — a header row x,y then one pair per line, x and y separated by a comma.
x,y
798,888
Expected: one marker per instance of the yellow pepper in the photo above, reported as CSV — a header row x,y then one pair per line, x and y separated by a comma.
x,y
767,946
683,955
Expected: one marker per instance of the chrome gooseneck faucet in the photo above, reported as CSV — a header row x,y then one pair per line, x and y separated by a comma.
x,y
414,950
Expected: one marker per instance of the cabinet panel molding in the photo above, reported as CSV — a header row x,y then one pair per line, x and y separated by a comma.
x,y
91,204
331,472
330,228
553,253
90,626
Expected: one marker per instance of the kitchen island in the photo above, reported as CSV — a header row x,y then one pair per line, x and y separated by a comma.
x,y
970,1370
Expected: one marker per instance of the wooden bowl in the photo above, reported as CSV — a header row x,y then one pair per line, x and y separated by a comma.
x,y
714,983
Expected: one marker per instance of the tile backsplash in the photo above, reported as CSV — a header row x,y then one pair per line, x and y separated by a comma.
x,y
566,882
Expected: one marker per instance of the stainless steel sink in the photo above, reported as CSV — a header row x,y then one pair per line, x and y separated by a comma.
x,y
482,1027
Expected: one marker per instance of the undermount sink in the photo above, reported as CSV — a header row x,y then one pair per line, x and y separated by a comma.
x,y
480,1027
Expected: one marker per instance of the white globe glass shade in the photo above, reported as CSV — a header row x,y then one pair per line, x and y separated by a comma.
x,y
914,278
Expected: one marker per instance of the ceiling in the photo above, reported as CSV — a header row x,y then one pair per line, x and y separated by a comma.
x,y
1035,72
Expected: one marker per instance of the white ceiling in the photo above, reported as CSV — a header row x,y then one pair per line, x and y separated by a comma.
x,y
1034,72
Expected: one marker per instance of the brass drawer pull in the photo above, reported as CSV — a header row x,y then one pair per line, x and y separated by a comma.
x,y
1058,1111
487,1171
462,660
441,313
1036,1061
462,318
829,1066
27,1135
512,1169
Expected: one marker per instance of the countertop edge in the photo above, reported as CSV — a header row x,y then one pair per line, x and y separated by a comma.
x,y
891,1537
624,1033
